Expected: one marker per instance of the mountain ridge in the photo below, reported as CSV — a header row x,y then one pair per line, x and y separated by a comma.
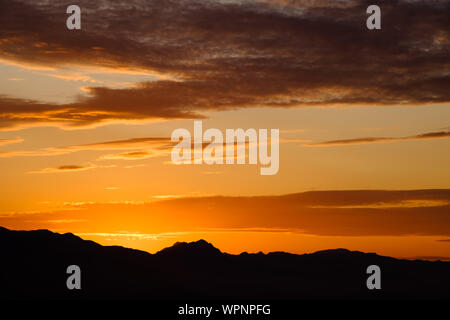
x,y
202,244
34,265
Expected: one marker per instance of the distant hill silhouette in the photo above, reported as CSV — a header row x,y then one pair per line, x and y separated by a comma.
x,y
33,265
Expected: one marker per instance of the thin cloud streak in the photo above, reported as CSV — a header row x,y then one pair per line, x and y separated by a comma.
x,y
70,168
424,136
4,142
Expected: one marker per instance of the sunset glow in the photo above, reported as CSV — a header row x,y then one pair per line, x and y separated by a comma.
x,y
86,118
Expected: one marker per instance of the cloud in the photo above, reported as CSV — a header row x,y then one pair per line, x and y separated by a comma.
x,y
157,143
105,105
220,55
327,213
65,168
72,77
70,168
133,235
424,136
142,148
135,155
112,188
67,221
4,142
125,143
135,166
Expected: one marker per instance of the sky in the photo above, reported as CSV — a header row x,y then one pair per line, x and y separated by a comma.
x,y
86,118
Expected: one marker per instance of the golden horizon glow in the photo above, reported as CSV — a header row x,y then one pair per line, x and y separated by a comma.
x,y
86,118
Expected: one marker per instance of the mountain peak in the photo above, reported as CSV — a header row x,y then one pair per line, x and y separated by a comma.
x,y
195,248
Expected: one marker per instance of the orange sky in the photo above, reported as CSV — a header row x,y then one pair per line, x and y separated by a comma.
x,y
86,118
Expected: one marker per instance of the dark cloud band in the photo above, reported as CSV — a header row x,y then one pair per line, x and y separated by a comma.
x,y
235,54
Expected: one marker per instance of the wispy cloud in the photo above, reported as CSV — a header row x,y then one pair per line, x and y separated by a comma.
x,y
141,142
70,168
4,142
136,148
134,155
155,143
112,188
424,136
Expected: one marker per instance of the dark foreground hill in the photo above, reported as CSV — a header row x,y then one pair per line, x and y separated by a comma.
x,y
33,265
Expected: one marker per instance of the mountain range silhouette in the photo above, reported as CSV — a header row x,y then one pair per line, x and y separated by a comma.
x,y
33,266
